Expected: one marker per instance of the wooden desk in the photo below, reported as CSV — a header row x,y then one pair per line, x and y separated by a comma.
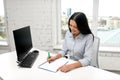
x,y
10,71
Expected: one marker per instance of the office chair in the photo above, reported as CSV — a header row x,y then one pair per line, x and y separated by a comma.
x,y
94,61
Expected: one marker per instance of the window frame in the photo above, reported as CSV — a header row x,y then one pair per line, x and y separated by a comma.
x,y
58,23
5,42
4,47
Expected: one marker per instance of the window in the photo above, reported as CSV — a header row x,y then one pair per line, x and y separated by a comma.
x,y
74,6
109,23
3,36
103,17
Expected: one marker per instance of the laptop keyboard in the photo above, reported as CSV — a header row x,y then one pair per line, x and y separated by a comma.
x,y
29,60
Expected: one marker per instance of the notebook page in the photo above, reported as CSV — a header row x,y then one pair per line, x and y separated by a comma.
x,y
53,66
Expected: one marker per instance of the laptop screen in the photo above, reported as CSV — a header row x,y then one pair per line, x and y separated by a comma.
x,y
23,42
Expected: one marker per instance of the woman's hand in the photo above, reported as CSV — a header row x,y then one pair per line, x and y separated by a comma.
x,y
66,68
52,58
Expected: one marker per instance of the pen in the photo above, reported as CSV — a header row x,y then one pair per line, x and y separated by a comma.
x,y
48,56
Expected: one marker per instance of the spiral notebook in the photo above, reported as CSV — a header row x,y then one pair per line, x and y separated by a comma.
x,y
53,66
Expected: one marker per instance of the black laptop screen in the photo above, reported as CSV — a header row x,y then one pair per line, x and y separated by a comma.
x,y
23,42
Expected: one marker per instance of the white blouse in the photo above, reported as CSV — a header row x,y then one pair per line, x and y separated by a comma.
x,y
79,48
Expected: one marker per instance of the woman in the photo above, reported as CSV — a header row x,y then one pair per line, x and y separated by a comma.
x,y
78,43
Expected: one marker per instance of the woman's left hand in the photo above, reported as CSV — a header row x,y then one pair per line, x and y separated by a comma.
x,y
66,68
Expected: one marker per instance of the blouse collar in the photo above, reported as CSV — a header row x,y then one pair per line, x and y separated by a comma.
x,y
80,36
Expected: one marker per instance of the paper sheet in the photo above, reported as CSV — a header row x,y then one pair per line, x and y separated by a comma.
x,y
53,66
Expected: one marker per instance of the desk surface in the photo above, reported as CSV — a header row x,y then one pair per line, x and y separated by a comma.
x,y
10,71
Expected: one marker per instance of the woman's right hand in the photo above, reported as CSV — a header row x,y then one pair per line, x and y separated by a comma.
x,y
52,58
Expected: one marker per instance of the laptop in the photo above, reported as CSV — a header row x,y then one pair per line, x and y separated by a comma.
x,y
23,45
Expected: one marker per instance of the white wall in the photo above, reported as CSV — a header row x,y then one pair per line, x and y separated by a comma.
x,y
37,14
109,60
